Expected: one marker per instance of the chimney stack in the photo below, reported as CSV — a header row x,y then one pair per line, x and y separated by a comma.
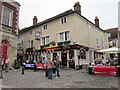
x,y
35,20
77,7
96,21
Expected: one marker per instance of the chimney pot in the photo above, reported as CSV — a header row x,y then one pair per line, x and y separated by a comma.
x,y
77,7
35,20
77,3
96,21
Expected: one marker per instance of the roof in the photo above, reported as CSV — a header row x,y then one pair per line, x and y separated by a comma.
x,y
68,12
113,32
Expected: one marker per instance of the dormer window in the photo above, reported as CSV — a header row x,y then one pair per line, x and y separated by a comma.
x,y
63,20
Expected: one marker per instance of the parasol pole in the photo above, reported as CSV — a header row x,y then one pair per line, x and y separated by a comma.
x,y
118,32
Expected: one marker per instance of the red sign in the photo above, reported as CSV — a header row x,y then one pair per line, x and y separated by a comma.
x,y
105,70
40,66
4,50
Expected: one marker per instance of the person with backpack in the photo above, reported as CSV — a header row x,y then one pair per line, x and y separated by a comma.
x,y
57,66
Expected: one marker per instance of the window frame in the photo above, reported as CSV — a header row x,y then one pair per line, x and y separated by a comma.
x,y
97,42
30,43
45,27
82,54
64,36
37,36
63,20
46,40
9,21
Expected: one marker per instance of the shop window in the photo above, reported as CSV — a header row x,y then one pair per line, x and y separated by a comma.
x,y
82,54
71,54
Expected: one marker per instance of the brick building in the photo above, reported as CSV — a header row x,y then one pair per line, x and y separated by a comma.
x,y
112,39
9,16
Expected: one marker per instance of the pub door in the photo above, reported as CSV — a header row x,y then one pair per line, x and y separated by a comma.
x,y
4,50
64,58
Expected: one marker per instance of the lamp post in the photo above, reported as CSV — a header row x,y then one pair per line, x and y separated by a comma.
x,y
118,67
118,32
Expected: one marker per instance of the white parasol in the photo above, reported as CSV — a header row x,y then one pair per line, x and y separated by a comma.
x,y
111,50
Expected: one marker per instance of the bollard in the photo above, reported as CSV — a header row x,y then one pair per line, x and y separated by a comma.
x,y
23,70
118,71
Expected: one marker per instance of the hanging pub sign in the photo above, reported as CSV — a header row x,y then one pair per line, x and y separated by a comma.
x,y
27,53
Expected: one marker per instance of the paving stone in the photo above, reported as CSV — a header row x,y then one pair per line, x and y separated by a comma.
x,y
70,78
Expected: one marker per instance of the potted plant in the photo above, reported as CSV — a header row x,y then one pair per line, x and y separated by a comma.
x,y
60,43
66,42
52,43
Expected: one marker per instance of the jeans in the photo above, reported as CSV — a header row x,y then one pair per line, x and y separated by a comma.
x,y
46,72
49,73
57,70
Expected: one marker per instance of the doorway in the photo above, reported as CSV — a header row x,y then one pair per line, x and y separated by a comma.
x,y
4,50
64,58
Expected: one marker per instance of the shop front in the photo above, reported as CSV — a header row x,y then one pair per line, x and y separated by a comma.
x,y
71,56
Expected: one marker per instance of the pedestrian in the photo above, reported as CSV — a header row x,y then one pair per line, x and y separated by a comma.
x,y
104,61
23,65
45,62
50,65
54,68
57,66
2,63
35,66
7,64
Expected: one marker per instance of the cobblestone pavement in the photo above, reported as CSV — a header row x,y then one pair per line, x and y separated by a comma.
x,y
70,78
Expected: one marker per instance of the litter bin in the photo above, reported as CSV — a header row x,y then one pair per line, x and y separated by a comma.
x,y
118,70
90,70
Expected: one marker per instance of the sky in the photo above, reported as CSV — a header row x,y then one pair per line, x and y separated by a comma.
x,y
106,10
